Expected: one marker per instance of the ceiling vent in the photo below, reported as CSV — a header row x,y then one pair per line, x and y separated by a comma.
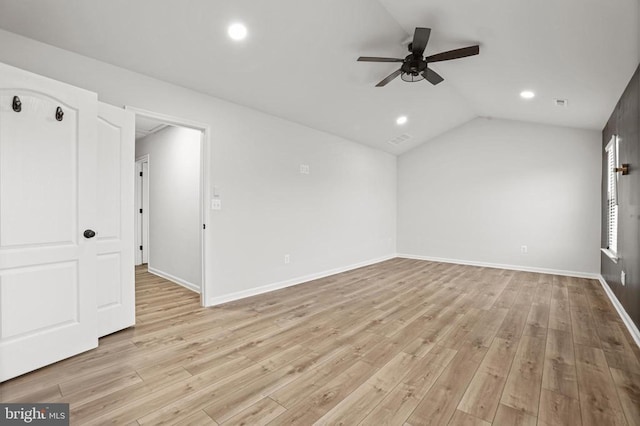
x,y
561,102
400,139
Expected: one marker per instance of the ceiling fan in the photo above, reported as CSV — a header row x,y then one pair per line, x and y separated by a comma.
x,y
414,66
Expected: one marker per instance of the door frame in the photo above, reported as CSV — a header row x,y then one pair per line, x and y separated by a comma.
x,y
205,186
142,226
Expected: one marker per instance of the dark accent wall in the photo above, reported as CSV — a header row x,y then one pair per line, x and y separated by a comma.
x,y
625,122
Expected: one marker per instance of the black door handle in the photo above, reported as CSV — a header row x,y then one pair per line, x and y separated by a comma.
x,y
89,233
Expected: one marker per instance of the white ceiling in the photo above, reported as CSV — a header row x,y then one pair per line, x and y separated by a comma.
x,y
299,61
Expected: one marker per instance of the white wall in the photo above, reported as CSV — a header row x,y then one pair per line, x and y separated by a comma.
x,y
174,203
343,213
481,191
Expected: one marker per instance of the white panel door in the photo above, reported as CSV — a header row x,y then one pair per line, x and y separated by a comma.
x,y
145,212
141,245
137,249
47,201
114,226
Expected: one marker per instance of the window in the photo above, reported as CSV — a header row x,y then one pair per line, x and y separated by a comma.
x,y
612,198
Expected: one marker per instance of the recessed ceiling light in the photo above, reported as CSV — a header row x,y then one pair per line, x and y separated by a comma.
x,y
401,120
237,31
527,94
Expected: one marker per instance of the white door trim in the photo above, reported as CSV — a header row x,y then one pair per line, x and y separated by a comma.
x,y
205,187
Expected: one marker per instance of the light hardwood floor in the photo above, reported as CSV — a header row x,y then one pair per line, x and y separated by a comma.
x,y
400,342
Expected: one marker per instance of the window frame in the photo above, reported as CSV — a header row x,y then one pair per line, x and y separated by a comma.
x,y
612,211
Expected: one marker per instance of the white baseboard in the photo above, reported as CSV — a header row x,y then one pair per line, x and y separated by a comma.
x,y
212,301
186,284
633,329
576,274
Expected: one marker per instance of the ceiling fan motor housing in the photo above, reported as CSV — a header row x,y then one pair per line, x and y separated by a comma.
x,y
413,65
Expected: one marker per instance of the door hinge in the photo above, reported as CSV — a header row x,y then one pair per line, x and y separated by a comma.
x,y
204,226
140,173
140,247
140,210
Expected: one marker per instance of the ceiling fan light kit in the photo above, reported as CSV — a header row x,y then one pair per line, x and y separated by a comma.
x,y
411,78
414,66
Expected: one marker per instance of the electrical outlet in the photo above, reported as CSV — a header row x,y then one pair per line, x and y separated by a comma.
x,y
304,169
524,249
287,259
216,204
623,278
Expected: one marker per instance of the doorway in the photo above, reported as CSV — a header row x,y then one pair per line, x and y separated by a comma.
x,y
171,172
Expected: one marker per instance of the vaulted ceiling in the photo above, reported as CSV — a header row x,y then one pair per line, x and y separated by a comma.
x,y
299,59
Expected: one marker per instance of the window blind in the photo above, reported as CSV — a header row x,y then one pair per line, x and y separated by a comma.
x,y
612,196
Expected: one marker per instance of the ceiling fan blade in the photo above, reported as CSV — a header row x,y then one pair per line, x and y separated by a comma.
x,y
420,40
389,78
375,59
454,54
432,77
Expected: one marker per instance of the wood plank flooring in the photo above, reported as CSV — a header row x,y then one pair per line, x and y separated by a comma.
x,y
402,342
